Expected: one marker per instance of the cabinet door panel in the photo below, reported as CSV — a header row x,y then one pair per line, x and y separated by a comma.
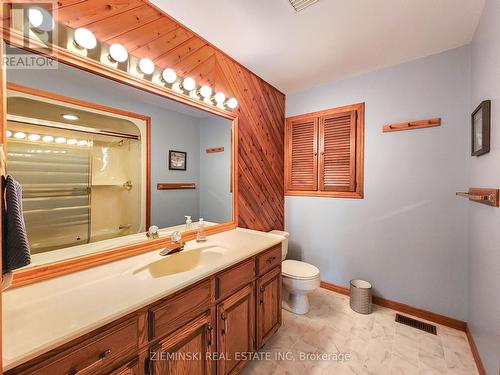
x,y
235,329
269,305
186,351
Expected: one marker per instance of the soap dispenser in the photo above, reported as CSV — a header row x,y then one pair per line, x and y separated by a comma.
x,y
200,235
188,222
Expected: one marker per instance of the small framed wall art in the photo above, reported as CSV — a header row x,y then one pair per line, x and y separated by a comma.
x,y
480,129
177,160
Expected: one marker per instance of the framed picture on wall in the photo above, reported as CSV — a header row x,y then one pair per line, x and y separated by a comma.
x,y
177,160
480,129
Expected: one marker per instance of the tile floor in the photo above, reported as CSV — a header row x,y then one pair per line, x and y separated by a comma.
x,y
376,344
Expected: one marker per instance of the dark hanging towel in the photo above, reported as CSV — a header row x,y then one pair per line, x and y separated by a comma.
x,y
15,246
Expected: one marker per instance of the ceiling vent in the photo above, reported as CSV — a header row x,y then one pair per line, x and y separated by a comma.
x,y
299,5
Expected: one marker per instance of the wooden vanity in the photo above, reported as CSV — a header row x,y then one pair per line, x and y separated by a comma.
x,y
209,327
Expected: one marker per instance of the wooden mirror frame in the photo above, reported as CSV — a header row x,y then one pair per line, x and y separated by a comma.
x,y
44,272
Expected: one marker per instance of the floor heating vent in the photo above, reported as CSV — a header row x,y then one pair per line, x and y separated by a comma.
x,y
299,5
430,328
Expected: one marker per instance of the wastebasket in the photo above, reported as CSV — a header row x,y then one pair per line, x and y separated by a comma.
x,y
361,296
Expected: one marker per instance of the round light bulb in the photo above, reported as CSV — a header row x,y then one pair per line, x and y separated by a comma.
x,y
188,84
8,133
169,75
19,135
146,66
82,143
70,117
34,137
40,19
232,103
85,39
219,97
60,140
48,138
206,91
72,141
118,53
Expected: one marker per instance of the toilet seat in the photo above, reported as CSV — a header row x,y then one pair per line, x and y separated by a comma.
x,y
295,269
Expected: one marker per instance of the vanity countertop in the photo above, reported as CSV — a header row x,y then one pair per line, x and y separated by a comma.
x,y
45,315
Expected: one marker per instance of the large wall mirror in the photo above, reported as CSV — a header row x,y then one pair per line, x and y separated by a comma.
x,y
100,162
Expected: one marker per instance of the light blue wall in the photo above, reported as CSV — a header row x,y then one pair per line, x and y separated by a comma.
x,y
169,131
408,236
484,244
215,187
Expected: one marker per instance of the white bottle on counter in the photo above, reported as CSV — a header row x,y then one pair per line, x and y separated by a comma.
x,y
200,235
188,222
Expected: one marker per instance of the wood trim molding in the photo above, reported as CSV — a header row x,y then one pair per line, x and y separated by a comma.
x,y
419,313
475,352
175,186
407,309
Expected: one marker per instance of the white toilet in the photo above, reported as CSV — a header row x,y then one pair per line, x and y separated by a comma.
x,y
299,279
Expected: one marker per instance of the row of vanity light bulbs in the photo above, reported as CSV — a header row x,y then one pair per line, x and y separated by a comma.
x,y
42,21
48,139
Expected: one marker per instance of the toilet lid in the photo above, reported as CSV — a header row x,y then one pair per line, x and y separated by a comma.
x,y
299,270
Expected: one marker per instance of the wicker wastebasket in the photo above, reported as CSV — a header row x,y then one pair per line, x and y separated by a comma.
x,y
361,296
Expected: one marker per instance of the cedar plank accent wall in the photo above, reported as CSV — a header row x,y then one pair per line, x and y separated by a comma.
x,y
148,32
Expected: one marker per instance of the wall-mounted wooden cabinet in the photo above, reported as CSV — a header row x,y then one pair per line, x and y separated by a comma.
x,y
200,330
324,153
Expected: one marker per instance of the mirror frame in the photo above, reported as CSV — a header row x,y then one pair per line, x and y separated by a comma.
x,y
35,274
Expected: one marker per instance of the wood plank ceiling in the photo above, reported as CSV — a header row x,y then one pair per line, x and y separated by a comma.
x,y
148,32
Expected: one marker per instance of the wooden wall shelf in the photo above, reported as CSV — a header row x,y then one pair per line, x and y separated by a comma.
x,y
484,196
215,149
176,186
410,125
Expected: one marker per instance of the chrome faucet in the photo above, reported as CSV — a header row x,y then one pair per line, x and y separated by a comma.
x,y
152,232
178,245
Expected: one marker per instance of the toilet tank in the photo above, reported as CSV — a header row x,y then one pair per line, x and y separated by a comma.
x,y
284,244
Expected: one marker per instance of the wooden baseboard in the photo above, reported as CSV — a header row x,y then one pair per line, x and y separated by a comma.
x,y
407,309
475,352
420,313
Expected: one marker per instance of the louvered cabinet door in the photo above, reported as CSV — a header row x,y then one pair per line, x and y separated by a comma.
x,y
337,146
302,154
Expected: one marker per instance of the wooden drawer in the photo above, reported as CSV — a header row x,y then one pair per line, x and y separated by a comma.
x,y
94,355
269,259
176,311
234,279
131,368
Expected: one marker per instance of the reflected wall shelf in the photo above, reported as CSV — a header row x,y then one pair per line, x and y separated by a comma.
x,y
484,196
176,186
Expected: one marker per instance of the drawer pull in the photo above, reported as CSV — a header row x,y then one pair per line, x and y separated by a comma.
x,y
270,260
209,334
261,290
90,369
223,317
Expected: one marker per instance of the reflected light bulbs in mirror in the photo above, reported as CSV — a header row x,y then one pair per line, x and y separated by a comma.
x,y
169,75
40,19
219,97
60,140
19,135
8,133
82,143
118,53
146,66
70,117
232,103
48,138
34,137
206,91
72,141
85,39
188,84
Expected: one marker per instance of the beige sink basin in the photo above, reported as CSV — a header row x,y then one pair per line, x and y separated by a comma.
x,y
183,261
